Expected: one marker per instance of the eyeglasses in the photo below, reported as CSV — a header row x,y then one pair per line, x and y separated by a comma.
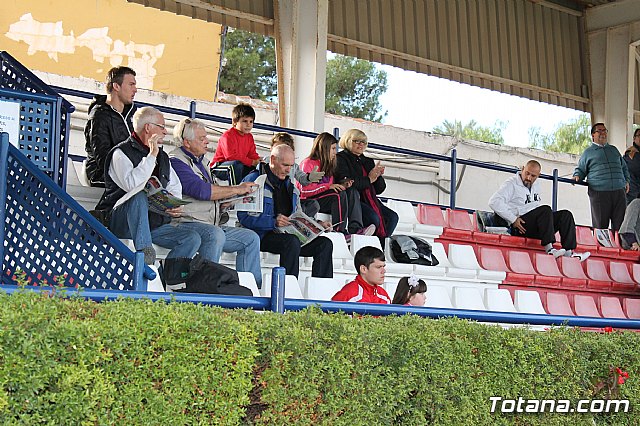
x,y
602,131
162,126
186,121
359,141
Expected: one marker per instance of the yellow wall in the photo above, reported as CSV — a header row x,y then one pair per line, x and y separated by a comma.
x,y
85,38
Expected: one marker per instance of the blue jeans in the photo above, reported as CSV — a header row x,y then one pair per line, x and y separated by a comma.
x,y
131,220
246,244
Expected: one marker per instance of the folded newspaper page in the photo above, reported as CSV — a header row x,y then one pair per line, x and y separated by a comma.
x,y
251,202
161,200
604,237
303,227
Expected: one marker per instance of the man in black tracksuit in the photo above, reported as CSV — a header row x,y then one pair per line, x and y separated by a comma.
x,y
109,121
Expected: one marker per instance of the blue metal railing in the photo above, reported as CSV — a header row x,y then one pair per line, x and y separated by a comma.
x,y
452,158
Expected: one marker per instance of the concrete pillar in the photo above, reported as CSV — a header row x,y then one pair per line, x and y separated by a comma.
x,y
301,59
612,35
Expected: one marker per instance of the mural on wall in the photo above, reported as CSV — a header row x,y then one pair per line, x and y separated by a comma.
x,y
170,53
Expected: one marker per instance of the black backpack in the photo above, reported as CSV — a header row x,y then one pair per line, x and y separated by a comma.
x,y
407,249
202,276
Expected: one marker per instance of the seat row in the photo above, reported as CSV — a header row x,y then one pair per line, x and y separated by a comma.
x,y
460,225
542,270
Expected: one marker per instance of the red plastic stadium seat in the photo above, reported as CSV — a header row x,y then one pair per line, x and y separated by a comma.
x,y
611,308
572,268
597,272
548,266
431,215
622,280
460,226
483,237
492,259
635,272
558,304
520,262
585,238
585,306
631,308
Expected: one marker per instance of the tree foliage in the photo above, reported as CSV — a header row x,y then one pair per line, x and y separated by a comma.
x,y
571,137
249,65
353,86
473,131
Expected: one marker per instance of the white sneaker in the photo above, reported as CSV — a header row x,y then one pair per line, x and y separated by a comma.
x,y
556,253
368,231
582,256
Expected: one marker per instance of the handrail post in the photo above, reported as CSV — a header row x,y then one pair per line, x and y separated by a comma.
x,y
452,189
139,281
554,192
336,133
278,276
4,166
192,109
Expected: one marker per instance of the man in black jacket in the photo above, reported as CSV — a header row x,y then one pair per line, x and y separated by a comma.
x,y
109,121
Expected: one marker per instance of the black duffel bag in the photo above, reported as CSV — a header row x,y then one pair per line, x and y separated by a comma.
x,y
202,276
407,249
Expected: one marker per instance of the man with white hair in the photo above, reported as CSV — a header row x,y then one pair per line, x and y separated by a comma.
x,y
281,199
131,164
201,189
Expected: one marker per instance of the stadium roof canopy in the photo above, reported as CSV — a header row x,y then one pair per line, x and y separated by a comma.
x,y
562,52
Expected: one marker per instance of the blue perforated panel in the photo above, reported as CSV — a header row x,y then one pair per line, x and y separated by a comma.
x,y
14,76
47,237
37,126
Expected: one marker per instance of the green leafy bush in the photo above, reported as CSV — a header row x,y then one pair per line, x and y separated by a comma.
x,y
70,361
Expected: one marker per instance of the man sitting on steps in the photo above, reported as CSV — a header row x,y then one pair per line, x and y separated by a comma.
x,y
519,202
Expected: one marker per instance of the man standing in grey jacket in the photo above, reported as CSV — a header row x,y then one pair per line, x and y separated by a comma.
x,y
607,175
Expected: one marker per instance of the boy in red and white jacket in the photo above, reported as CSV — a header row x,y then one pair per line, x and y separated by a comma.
x,y
367,287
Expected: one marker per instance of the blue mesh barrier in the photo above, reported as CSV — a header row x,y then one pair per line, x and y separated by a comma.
x,y
51,238
15,77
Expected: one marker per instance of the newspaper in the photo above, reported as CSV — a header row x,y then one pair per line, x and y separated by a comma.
x,y
251,202
604,237
303,227
161,200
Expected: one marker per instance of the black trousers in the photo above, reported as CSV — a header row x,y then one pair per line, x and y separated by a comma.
x,y
543,223
289,248
344,207
607,206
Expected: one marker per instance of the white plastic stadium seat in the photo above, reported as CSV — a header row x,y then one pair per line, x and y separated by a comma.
x,y
498,299
155,285
406,215
528,302
452,272
249,281
320,288
291,287
463,256
467,298
437,297
359,241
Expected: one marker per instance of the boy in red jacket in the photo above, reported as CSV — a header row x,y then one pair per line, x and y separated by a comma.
x,y
367,287
236,147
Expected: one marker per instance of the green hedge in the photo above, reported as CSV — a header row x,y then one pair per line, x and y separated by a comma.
x,y
75,362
